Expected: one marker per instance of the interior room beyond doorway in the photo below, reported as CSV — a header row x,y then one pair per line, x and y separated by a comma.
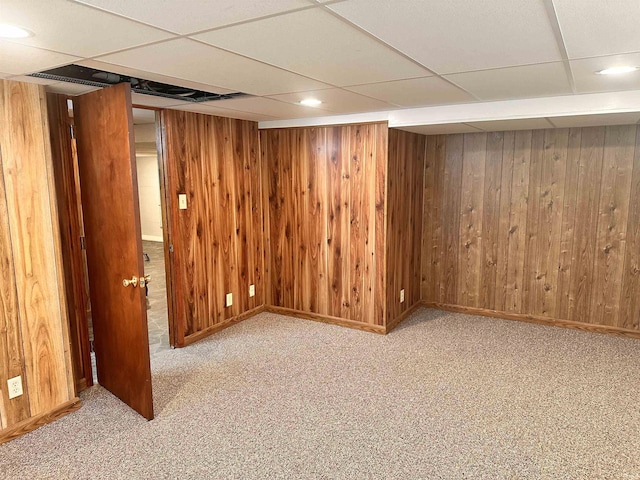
x,y
151,227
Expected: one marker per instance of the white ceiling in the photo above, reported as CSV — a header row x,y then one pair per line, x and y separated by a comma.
x,y
355,55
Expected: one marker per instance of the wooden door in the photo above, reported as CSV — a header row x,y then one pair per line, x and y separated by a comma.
x,y
109,189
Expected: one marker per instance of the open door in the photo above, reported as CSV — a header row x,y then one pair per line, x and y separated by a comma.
x,y
105,144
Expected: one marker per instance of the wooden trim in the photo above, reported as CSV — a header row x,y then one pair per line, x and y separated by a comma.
x,y
32,423
403,316
221,326
521,317
367,327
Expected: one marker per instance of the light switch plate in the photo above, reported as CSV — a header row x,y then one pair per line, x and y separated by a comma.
x,y
252,290
402,295
182,201
229,299
15,387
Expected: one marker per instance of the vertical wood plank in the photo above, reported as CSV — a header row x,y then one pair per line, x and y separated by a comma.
x,y
450,219
615,190
568,223
11,353
518,221
553,170
584,244
531,250
504,233
471,212
491,219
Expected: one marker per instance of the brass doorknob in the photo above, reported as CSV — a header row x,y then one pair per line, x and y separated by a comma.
x,y
134,281
144,280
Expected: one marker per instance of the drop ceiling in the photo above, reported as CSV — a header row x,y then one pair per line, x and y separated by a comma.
x,y
356,56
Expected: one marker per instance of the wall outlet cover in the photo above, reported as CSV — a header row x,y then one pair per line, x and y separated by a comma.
x,y
229,299
15,387
252,290
402,295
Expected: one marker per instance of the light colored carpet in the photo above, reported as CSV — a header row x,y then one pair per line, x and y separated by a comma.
x,y
444,396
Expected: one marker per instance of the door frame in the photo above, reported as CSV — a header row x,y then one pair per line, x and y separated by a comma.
x,y
167,235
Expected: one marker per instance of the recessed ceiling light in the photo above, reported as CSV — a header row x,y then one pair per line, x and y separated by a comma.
x,y
617,70
11,31
310,102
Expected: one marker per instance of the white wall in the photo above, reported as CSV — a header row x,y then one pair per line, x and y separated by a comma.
x,y
149,192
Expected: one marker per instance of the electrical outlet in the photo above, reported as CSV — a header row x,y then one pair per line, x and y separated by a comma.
x,y
402,295
15,387
229,299
252,290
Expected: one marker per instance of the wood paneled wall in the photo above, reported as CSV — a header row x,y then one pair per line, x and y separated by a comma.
x,y
326,212
218,239
543,223
34,338
404,220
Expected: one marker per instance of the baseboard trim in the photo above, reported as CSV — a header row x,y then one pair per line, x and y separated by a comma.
x,y
194,337
540,320
403,316
367,327
32,423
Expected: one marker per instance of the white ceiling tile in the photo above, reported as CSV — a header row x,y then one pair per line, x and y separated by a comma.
x,y
508,125
67,88
187,16
316,44
155,77
274,108
596,120
599,27
442,129
211,109
338,101
459,35
75,29
201,63
587,80
542,80
415,92
18,59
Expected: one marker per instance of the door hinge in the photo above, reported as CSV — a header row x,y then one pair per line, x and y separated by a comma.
x,y
82,244
73,131
171,248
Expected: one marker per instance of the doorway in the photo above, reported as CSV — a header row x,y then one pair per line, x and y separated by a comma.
x,y
152,228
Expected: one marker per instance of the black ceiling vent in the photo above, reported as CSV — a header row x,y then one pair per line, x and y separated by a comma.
x,y
100,78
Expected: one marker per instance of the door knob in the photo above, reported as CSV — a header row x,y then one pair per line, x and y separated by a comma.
x,y
144,280
134,281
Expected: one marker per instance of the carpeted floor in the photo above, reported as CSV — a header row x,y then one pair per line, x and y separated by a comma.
x,y
444,396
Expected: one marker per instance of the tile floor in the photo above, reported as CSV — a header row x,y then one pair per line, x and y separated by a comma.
x,y
157,299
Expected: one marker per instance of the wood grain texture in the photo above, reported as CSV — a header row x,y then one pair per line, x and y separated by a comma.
x,y
65,171
25,147
108,183
34,330
218,239
547,224
326,195
405,190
